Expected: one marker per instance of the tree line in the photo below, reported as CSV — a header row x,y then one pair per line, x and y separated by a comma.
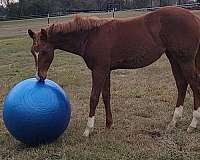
x,y
11,8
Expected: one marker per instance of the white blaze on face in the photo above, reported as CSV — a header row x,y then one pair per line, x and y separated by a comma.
x,y
36,61
37,76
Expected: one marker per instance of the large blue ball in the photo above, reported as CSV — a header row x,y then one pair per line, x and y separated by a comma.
x,y
36,112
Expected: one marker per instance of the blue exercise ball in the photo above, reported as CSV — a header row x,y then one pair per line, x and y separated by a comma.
x,y
36,112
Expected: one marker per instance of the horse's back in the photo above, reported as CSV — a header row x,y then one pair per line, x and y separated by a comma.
x,y
179,28
138,42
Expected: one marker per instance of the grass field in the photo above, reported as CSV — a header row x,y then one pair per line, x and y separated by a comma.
x,y
142,103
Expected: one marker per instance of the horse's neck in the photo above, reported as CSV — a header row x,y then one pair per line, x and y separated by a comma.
x,y
71,42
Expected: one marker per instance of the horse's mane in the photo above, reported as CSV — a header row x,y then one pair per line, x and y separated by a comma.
x,y
78,24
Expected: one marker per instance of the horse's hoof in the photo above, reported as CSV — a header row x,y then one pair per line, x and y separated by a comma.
x,y
190,129
86,133
109,124
170,127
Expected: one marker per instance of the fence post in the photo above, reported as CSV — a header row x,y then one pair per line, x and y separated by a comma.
x,y
113,12
48,21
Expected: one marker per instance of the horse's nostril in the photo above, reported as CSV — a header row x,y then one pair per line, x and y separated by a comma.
x,y
40,77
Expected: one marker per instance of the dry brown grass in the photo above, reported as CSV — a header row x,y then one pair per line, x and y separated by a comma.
x,y
142,102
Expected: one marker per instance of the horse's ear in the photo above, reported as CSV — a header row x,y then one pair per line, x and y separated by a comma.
x,y
43,34
31,33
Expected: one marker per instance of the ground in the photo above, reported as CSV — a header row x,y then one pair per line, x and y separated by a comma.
x,y
142,103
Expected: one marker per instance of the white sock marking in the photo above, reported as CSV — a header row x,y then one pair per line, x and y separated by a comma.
x,y
196,118
90,126
176,117
177,114
36,75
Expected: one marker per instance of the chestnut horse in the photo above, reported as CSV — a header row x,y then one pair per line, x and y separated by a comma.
x,y
130,43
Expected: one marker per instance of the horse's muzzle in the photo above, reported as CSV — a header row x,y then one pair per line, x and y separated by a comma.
x,y
40,77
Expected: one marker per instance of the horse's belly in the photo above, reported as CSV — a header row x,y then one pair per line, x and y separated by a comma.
x,y
136,61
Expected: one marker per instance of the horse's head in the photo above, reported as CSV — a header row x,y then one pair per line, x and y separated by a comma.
x,y
42,51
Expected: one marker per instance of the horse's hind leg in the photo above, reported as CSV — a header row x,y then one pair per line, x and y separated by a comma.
x,y
191,75
181,84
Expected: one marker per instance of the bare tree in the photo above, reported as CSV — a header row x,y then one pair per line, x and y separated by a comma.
x,y
100,3
6,3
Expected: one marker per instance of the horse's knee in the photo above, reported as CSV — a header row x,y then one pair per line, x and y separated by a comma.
x,y
106,94
94,99
106,100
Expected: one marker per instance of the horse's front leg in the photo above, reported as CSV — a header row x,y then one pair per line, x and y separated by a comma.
x,y
106,100
98,79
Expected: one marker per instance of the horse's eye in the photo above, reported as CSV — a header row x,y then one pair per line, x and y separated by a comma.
x,y
35,43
